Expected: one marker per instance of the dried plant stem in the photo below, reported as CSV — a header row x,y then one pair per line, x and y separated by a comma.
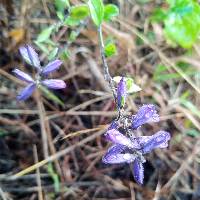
x,y
40,196
2,195
46,135
42,125
58,154
107,75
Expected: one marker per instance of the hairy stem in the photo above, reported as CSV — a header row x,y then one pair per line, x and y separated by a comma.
x,y
107,75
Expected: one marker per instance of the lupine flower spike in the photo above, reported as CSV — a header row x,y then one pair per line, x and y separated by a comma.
x,y
131,149
31,57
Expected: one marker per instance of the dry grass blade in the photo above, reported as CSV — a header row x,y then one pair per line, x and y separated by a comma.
x,y
40,196
57,155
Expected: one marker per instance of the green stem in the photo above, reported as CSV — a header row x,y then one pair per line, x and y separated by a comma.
x,y
107,75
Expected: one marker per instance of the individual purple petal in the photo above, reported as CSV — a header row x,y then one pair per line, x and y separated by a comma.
x,y
158,140
113,150
52,66
113,125
146,114
114,155
138,171
139,141
30,55
121,93
116,137
26,92
54,83
23,76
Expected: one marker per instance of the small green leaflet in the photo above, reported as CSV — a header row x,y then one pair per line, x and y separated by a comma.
x,y
45,34
193,132
73,35
70,21
96,11
131,86
110,11
110,49
79,12
64,54
61,5
42,47
60,15
53,53
158,15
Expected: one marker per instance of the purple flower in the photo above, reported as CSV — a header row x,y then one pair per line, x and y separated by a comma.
x,y
26,92
138,171
23,76
54,83
51,67
31,57
121,93
131,150
147,113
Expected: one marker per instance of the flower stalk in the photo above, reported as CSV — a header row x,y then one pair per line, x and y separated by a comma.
x,y
107,75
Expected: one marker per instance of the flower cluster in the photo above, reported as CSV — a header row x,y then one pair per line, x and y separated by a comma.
x,y
127,147
31,57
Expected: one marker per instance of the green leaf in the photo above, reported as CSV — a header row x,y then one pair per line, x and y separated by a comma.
x,y
171,2
70,21
182,24
158,15
60,15
45,34
79,12
50,42
142,1
64,55
61,5
73,35
54,177
193,132
161,73
110,49
110,11
53,54
51,96
190,107
42,46
96,8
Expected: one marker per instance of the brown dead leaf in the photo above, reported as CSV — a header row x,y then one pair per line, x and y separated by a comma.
x,y
17,35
